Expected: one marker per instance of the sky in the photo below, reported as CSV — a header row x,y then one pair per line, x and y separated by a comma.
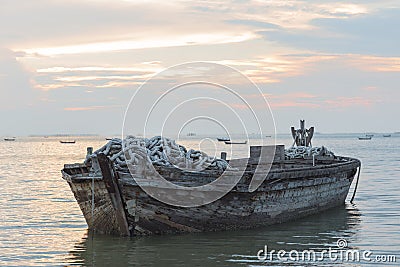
x,y
73,66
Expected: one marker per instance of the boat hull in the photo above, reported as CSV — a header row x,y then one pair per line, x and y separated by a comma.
x,y
236,210
285,195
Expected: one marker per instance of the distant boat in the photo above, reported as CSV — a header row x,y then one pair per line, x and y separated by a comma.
x,y
9,139
235,143
387,135
223,139
268,136
365,138
369,135
67,142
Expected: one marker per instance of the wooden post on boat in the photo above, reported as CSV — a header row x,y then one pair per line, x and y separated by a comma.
x,y
223,155
111,183
302,136
89,151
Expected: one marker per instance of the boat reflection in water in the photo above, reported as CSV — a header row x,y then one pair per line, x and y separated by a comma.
x,y
229,248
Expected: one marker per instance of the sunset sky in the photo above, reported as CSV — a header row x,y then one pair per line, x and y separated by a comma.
x,y
72,66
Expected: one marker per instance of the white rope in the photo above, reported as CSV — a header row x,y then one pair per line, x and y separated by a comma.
x,y
136,152
301,152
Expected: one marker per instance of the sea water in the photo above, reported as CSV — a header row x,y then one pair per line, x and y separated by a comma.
x,y
41,223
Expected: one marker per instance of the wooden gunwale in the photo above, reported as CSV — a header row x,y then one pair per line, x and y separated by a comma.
x,y
274,173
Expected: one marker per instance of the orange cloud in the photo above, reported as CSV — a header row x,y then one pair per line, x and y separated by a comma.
x,y
293,99
287,104
273,68
375,63
290,95
47,87
370,88
342,102
87,108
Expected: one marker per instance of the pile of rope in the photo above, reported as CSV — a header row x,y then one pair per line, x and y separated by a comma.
x,y
302,152
137,154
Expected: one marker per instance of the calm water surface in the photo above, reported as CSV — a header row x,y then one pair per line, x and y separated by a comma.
x,y
41,224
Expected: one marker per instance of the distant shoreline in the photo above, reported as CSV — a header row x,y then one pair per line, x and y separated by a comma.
x,y
61,135
265,135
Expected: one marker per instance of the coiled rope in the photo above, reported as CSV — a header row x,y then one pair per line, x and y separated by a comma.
x,y
301,152
135,152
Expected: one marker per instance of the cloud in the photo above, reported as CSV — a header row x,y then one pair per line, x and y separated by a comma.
x,y
274,68
375,63
97,26
372,34
346,102
321,102
169,41
306,56
59,77
46,27
15,82
296,95
101,68
88,108
293,99
63,22
261,70
292,104
293,15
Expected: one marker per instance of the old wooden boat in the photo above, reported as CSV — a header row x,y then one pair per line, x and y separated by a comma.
x,y
67,142
112,202
235,142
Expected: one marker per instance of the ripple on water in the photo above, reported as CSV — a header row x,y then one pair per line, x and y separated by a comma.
x,y
42,225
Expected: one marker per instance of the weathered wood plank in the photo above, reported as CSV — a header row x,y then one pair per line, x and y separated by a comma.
x,y
112,186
